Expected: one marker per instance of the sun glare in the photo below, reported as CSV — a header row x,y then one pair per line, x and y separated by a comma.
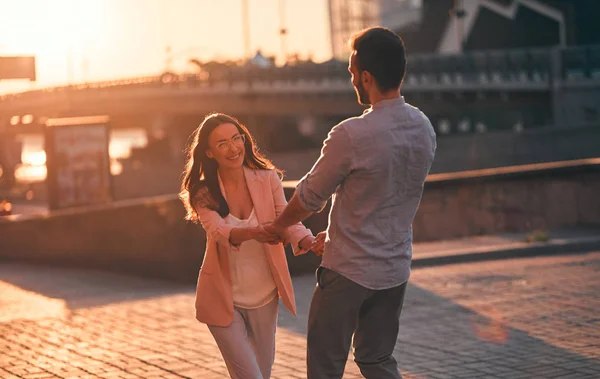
x,y
34,158
57,32
89,40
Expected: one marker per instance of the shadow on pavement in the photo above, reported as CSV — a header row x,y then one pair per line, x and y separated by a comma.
x,y
81,288
439,338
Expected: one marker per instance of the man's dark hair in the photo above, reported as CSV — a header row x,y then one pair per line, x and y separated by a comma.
x,y
381,52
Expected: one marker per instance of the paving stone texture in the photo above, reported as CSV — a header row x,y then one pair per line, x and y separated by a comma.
x,y
520,318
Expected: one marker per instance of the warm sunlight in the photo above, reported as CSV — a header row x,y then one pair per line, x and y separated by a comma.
x,y
91,40
56,32
34,158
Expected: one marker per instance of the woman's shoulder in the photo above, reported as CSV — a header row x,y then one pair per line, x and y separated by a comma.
x,y
201,191
203,197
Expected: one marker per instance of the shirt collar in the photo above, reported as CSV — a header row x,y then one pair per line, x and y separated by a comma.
x,y
388,103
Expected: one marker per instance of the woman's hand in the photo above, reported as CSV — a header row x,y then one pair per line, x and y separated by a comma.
x,y
306,242
261,235
318,245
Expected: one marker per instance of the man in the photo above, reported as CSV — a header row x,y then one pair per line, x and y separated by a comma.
x,y
375,166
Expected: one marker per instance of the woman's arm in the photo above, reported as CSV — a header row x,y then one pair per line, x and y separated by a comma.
x,y
217,228
239,235
213,224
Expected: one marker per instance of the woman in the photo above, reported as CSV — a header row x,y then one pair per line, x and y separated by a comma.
x,y
232,190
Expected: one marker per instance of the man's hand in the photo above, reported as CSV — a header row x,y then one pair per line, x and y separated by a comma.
x,y
318,245
274,228
262,235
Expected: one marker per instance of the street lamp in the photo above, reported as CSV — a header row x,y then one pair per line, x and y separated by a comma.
x,y
459,13
246,28
283,30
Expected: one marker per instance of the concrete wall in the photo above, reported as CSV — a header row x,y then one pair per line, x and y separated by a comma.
x,y
507,199
149,237
146,237
576,103
553,195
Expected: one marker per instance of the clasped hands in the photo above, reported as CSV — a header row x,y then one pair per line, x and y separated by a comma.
x,y
273,233
267,234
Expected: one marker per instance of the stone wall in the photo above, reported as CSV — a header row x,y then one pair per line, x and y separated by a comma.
x,y
501,200
506,199
146,237
149,236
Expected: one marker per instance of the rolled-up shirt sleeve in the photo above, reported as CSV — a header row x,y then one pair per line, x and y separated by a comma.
x,y
213,224
295,233
330,170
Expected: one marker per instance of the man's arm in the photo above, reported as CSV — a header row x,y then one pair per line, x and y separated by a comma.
x,y
315,189
293,213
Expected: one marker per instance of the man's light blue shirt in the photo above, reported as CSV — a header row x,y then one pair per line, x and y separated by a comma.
x,y
374,166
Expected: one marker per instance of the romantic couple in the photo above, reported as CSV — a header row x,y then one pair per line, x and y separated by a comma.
x,y
374,166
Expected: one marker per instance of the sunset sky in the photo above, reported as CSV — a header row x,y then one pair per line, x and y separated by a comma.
x,y
90,40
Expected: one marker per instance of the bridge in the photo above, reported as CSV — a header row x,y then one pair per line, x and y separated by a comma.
x,y
291,109
516,80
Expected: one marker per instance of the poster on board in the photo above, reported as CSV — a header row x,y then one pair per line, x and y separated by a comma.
x,y
78,161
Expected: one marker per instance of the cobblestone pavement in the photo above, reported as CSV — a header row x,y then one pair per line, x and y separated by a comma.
x,y
528,318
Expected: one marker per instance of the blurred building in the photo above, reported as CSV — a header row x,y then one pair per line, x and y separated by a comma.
x,y
347,17
454,26
400,14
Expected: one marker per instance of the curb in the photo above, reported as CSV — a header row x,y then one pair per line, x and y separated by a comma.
x,y
517,250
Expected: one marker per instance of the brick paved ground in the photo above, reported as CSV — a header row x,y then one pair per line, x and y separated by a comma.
x,y
530,318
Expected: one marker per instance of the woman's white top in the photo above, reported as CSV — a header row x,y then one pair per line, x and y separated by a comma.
x,y
251,277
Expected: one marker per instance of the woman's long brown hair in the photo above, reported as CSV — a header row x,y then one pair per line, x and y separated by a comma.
x,y
201,171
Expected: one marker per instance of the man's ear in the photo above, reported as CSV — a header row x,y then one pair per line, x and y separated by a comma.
x,y
366,78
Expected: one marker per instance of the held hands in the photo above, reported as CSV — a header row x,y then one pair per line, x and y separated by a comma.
x,y
318,244
307,242
261,234
315,244
275,229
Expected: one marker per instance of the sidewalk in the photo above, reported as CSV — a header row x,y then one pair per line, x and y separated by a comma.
x,y
511,245
496,319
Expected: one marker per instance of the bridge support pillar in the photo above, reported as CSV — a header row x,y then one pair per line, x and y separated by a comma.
x,y
307,126
172,133
178,142
556,75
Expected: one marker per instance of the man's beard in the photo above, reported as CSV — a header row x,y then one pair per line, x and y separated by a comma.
x,y
363,96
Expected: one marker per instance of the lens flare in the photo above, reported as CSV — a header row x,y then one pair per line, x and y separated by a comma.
x,y
489,326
